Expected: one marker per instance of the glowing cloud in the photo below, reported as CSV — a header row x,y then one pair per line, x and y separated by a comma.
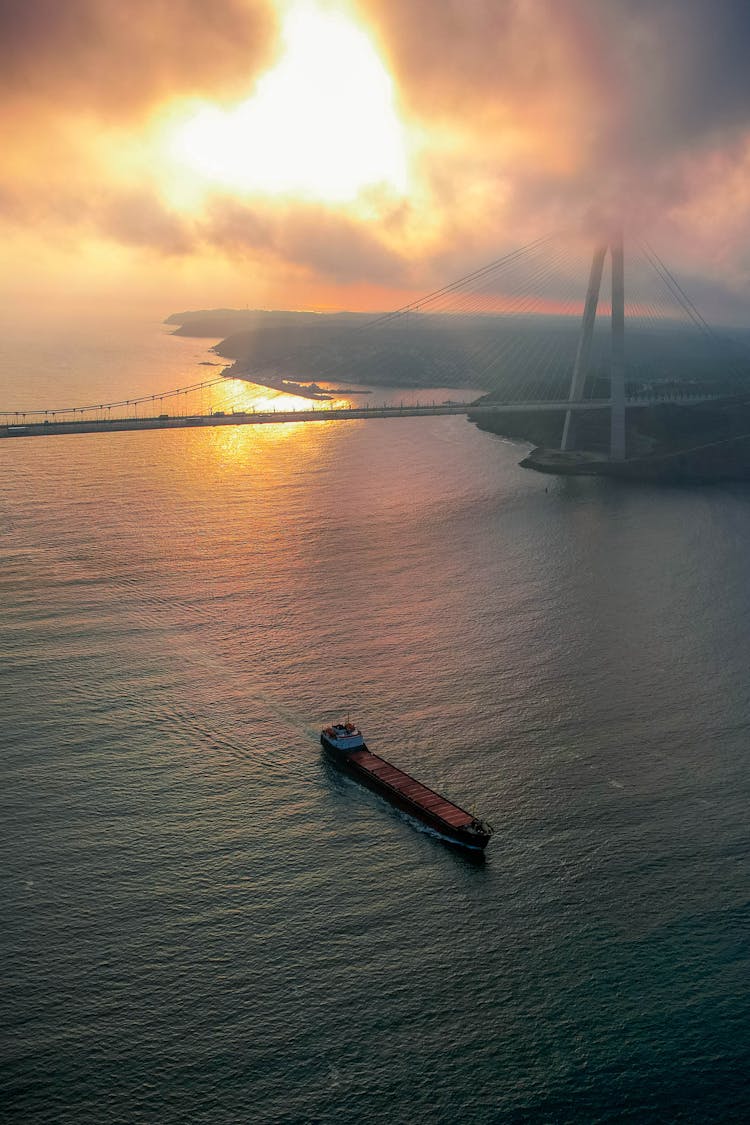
x,y
321,125
368,146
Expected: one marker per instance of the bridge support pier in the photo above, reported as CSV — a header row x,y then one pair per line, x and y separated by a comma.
x,y
581,366
617,366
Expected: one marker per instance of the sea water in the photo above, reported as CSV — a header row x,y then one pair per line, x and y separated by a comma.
x,y
203,920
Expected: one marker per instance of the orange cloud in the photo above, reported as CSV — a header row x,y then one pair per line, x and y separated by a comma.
x,y
522,116
113,60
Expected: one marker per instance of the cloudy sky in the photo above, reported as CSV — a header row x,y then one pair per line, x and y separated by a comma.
x,y
352,154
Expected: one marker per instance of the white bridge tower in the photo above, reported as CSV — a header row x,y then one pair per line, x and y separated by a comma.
x,y
617,364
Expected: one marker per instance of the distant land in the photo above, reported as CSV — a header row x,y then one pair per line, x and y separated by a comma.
x,y
504,355
501,354
336,347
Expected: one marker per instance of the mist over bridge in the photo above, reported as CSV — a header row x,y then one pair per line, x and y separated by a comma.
x,y
509,327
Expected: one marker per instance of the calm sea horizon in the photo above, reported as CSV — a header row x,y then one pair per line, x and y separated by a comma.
x,y
203,920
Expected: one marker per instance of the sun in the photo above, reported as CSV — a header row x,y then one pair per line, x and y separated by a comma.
x,y
321,125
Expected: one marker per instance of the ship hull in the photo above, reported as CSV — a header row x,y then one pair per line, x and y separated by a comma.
x,y
463,837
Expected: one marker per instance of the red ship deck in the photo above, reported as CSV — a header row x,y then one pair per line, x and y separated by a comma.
x,y
408,787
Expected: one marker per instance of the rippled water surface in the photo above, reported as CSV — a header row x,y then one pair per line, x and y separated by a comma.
x,y
204,921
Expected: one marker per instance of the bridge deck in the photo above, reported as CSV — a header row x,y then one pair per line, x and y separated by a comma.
x,y
20,427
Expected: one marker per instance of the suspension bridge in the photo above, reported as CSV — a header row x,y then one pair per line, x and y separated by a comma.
x,y
520,327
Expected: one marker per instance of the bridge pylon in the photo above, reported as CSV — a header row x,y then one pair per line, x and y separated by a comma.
x,y
583,353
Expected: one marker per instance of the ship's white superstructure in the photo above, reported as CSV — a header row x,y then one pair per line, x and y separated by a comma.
x,y
343,736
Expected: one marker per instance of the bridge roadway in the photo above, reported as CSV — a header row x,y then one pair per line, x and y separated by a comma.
x,y
22,427
46,428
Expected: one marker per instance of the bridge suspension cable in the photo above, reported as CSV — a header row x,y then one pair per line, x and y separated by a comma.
x,y
137,401
462,283
509,328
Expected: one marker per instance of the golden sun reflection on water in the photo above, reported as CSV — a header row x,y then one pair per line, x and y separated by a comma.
x,y
243,443
239,395
236,395
217,452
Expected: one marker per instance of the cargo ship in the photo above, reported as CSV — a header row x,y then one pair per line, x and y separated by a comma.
x,y
344,742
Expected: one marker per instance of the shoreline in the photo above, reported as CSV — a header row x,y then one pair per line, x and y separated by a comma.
x,y
312,391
